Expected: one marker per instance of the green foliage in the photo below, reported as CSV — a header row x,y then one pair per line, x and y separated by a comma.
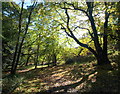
x,y
45,43
9,31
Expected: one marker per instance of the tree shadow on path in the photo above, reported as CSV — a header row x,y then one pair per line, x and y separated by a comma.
x,y
102,80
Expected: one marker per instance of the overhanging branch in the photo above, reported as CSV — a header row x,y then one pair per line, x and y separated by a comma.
x,y
75,8
86,29
73,36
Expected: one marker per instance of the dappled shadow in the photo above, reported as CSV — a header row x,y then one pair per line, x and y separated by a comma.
x,y
37,79
62,88
89,79
65,79
66,88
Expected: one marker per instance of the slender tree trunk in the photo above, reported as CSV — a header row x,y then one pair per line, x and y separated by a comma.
x,y
36,62
28,56
27,60
38,47
54,59
80,52
105,37
17,44
49,60
42,62
21,44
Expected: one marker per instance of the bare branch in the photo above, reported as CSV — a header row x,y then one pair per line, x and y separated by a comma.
x,y
15,7
60,16
75,8
91,34
81,44
68,20
66,31
71,32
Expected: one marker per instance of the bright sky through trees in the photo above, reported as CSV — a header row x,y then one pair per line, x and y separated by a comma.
x,y
79,32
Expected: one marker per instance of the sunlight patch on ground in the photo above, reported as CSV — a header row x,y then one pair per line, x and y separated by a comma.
x,y
60,70
59,74
83,75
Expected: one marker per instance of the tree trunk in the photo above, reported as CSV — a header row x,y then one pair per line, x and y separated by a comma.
x,y
27,60
54,59
38,47
21,44
28,56
102,58
99,52
80,52
17,44
48,63
42,63
36,62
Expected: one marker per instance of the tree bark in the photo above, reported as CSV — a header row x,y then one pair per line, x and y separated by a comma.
x,y
105,37
36,62
99,52
102,58
21,44
27,60
28,56
38,47
54,59
17,44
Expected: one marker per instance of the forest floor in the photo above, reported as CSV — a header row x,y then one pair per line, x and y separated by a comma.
x,y
69,79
